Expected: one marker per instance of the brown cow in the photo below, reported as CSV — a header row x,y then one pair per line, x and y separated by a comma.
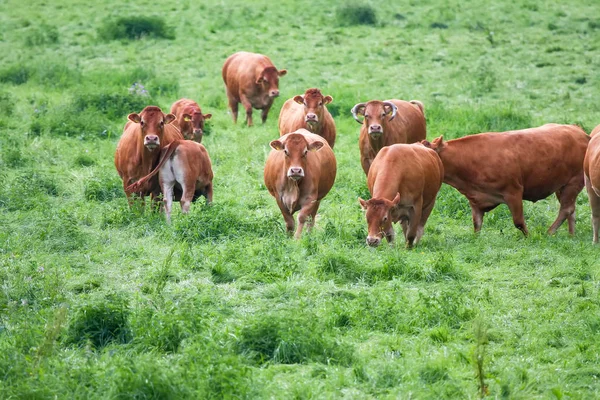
x,y
509,167
591,168
308,112
253,80
299,172
138,151
403,180
406,124
189,119
186,164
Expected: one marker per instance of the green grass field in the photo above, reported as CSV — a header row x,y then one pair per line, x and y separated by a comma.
x,y
103,302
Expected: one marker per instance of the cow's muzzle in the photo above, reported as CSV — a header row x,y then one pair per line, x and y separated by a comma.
x,y
274,93
295,173
373,241
151,142
311,118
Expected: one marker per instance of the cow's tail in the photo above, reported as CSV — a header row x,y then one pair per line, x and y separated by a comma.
x,y
418,104
167,153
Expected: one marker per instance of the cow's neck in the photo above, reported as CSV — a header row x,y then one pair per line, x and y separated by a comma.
x,y
149,159
290,194
376,144
314,128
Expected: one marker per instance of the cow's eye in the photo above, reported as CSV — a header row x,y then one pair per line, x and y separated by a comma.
x,y
320,104
385,218
366,115
305,153
286,153
141,123
383,114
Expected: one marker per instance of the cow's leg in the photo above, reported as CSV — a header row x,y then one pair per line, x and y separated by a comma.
x,y
595,205
208,193
309,208
187,196
233,104
390,235
567,196
313,216
248,108
265,113
424,217
414,220
167,188
514,201
287,217
477,215
366,164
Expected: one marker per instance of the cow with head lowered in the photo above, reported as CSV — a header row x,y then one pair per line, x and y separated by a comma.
x,y
404,181
253,80
138,150
496,168
189,119
308,111
591,169
385,123
299,171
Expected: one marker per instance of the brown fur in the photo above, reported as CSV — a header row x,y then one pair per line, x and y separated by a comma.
x,y
189,119
133,160
408,126
591,169
312,155
509,167
253,80
294,111
404,180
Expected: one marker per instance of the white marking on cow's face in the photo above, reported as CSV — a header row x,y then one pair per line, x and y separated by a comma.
x,y
151,142
295,173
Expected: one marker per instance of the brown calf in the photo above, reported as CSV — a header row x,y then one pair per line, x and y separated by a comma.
x,y
299,172
404,180
309,112
386,123
138,150
184,164
509,167
253,80
591,168
189,119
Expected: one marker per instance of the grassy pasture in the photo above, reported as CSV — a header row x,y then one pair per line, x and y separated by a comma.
x,y
100,301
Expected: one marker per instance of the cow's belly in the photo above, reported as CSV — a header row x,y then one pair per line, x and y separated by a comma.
x,y
483,200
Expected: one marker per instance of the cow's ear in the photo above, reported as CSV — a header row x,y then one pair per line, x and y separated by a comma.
x,y
187,117
282,72
276,145
299,99
363,204
169,118
260,79
315,146
438,144
396,199
134,117
207,116
327,99
426,143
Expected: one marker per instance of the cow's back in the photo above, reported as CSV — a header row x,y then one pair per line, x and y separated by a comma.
x,y
239,70
411,169
409,125
291,117
540,160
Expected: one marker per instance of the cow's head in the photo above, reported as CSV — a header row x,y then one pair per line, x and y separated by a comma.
x,y
296,149
313,102
269,80
376,114
379,218
437,144
192,125
152,121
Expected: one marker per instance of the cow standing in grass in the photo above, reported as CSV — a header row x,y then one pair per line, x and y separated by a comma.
x,y
508,167
253,80
591,168
308,111
299,172
189,119
386,123
138,150
184,165
404,180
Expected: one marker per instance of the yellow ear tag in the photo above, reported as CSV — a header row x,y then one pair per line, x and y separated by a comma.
x,y
187,119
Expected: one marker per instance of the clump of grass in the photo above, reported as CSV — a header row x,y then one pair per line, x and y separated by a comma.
x,y
100,322
7,104
112,105
41,35
481,341
356,14
135,28
105,187
433,372
27,190
84,160
16,74
290,340
64,121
